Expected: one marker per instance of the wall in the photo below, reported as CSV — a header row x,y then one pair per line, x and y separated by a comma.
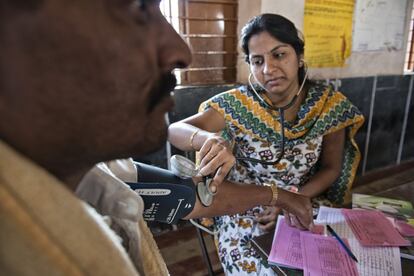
x,y
361,64
387,137
247,9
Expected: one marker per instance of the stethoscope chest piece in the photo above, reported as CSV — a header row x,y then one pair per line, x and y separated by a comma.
x,y
185,168
204,193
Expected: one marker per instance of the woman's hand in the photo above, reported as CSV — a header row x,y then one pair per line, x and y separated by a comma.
x,y
267,218
297,209
216,158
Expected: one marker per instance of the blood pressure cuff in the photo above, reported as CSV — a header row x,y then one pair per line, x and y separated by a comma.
x,y
167,198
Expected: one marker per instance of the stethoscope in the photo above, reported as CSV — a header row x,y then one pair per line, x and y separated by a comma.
x,y
281,110
185,168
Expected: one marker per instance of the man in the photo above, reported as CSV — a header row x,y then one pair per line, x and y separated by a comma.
x,y
83,82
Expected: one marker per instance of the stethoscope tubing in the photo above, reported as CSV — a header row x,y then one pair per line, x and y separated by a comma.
x,y
282,145
281,111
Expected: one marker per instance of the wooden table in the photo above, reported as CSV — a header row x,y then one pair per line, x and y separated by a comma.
x,y
263,243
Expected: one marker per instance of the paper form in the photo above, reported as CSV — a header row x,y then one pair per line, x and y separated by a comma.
x,y
324,256
372,228
286,250
404,228
381,261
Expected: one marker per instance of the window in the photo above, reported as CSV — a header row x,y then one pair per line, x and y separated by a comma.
x,y
409,58
210,28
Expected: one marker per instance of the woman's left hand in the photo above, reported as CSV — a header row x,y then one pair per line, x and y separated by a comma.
x,y
267,218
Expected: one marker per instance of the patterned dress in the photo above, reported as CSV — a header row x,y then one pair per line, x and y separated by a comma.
x,y
254,132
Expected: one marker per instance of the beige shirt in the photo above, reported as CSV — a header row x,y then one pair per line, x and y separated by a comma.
x,y
46,230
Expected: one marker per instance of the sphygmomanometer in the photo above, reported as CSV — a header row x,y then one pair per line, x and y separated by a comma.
x,y
170,195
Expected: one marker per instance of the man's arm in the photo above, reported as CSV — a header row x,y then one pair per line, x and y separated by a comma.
x,y
102,188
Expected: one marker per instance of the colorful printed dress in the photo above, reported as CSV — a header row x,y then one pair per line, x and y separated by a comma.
x,y
255,133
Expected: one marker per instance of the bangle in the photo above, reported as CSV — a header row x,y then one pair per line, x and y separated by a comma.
x,y
192,138
275,194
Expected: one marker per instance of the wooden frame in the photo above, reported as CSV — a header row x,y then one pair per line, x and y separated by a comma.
x,y
210,28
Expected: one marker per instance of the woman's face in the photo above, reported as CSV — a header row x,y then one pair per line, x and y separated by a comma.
x,y
274,65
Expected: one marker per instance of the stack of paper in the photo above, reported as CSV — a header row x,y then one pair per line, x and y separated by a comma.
x,y
286,247
314,253
322,255
399,212
372,228
382,261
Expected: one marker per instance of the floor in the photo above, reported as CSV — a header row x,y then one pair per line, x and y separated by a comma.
x,y
181,249
182,253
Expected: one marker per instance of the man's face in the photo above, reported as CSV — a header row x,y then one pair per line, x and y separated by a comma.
x,y
88,79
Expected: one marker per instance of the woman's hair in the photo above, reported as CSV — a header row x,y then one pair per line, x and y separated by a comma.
x,y
278,27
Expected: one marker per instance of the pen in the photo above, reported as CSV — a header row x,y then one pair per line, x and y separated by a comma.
x,y
348,251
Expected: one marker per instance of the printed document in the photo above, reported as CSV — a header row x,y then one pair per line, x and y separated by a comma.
x,y
286,250
381,261
372,228
324,256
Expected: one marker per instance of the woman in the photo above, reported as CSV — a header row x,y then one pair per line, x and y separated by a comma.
x,y
313,153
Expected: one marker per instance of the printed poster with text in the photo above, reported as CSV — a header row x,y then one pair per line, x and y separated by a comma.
x,y
328,32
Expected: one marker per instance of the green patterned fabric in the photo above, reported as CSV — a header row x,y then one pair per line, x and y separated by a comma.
x,y
324,111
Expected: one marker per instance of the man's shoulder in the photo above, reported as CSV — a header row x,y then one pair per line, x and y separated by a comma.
x,y
46,230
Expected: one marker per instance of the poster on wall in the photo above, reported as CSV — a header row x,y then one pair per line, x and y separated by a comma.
x,y
379,25
328,32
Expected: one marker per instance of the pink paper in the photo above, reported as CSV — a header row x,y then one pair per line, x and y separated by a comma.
x,y
324,256
318,229
372,228
286,249
404,228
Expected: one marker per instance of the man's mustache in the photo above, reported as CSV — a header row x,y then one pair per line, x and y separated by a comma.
x,y
162,88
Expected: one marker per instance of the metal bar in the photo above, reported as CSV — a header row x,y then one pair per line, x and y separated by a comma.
x,y
404,126
170,11
186,22
411,52
204,251
186,30
338,84
371,114
168,144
